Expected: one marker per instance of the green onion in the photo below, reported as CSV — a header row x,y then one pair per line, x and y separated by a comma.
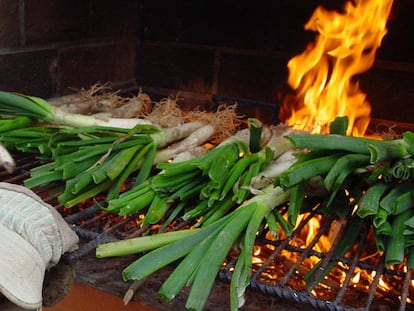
x,y
388,201
14,123
380,217
302,171
256,129
242,271
138,204
156,210
140,244
347,162
401,169
241,189
125,198
339,126
369,202
384,229
217,251
295,203
272,225
395,247
387,150
408,138
131,167
236,172
217,210
149,152
164,255
404,202
22,105
37,108
185,270
379,150
89,193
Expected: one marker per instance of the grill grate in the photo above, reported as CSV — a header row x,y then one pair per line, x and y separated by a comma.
x,y
95,226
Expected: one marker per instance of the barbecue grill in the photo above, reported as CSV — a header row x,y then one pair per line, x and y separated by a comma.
x,y
279,265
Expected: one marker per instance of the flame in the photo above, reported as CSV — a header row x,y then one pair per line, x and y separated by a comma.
x,y
323,75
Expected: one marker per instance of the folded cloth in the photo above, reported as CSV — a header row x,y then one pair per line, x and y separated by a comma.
x,y
33,237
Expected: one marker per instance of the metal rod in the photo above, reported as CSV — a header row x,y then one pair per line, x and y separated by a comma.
x,y
88,247
85,214
297,297
405,291
374,284
352,267
325,261
305,254
282,246
97,239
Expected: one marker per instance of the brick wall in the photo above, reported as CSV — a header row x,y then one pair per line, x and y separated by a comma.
x,y
194,49
49,47
236,49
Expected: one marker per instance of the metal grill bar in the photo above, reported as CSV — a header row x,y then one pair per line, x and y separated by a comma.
x,y
85,214
305,254
374,284
352,267
404,295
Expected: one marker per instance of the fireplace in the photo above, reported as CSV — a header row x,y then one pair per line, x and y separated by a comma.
x,y
208,54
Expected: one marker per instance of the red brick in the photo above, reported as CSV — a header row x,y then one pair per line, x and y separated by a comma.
x,y
251,76
49,21
9,23
110,18
28,73
186,69
82,67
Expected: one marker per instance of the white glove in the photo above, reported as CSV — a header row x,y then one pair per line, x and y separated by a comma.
x,y
33,237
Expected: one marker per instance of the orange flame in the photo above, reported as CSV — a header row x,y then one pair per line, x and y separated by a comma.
x,y
323,74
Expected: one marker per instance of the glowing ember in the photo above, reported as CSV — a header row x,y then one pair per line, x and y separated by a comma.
x,y
323,75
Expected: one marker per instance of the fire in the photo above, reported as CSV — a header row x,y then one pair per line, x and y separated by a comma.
x,y
323,76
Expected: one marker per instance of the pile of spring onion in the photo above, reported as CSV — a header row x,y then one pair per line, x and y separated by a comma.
x,y
262,178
